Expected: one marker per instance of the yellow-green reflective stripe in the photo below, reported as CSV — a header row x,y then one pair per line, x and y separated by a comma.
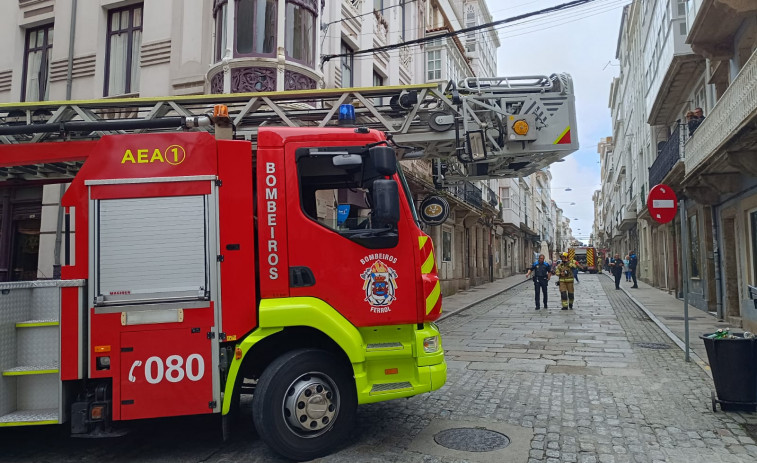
x,y
433,297
561,135
29,372
27,423
421,241
33,324
429,264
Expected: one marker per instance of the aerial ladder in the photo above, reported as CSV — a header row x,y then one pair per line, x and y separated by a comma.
x,y
477,128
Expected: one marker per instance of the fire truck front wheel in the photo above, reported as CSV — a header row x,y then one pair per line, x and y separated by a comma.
x,y
304,404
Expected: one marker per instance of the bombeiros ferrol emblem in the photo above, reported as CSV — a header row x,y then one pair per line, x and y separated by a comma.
x,y
434,210
380,284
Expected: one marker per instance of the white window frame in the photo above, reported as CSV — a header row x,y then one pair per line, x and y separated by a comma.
x,y
451,232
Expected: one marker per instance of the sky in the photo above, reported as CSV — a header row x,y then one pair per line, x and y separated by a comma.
x,y
582,42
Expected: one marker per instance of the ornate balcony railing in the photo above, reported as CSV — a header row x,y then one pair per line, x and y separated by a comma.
x,y
738,103
468,192
666,158
491,197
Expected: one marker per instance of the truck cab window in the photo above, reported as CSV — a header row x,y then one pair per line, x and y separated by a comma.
x,y
339,197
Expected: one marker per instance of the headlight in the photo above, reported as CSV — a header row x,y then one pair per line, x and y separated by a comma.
x,y
431,344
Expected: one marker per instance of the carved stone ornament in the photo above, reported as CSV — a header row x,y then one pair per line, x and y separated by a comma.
x,y
216,83
253,79
296,81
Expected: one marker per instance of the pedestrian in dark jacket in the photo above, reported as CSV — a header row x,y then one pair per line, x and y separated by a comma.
x,y
542,272
633,261
617,269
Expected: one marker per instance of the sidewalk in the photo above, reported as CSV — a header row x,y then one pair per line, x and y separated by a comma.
x,y
662,308
464,299
667,312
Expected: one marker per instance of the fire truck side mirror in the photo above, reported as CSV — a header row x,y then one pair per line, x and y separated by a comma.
x,y
384,160
386,203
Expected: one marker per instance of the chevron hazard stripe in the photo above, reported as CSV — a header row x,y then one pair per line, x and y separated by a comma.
x,y
432,289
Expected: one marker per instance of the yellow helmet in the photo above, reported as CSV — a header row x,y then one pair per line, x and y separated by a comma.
x,y
565,254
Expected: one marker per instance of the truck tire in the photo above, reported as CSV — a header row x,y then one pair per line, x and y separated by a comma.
x,y
304,404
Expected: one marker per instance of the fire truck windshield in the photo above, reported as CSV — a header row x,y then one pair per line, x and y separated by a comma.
x,y
406,191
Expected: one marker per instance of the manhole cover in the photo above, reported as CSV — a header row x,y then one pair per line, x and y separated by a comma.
x,y
652,345
472,439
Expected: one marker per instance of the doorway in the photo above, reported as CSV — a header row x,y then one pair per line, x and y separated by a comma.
x,y
729,260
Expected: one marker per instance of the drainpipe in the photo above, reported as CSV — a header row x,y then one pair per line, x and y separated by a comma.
x,y
69,85
716,262
71,35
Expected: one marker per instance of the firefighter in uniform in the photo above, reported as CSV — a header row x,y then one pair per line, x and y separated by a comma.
x,y
564,271
541,271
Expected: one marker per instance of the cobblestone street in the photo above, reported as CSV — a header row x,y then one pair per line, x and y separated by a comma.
x,y
566,386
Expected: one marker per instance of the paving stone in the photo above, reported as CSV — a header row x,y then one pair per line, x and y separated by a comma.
x,y
573,370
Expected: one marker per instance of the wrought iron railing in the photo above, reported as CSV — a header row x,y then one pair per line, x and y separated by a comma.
x,y
468,192
726,118
492,197
666,158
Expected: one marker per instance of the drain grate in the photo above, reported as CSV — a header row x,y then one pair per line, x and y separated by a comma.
x,y
472,439
652,345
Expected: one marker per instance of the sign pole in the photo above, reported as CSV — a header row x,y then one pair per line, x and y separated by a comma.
x,y
685,274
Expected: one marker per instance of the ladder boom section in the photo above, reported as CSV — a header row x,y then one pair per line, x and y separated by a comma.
x,y
483,127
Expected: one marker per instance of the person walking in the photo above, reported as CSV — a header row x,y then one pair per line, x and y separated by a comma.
x,y
617,269
632,263
542,272
564,271
575,271
625,265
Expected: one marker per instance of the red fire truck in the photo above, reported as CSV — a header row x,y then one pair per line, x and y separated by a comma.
x,y
282,262
200,262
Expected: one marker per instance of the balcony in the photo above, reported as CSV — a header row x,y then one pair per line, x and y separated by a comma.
x,y
491,197
468,193
727,126
627,218
667,158
672,77
714,25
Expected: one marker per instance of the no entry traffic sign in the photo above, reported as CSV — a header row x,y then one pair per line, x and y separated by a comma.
x,y
662,203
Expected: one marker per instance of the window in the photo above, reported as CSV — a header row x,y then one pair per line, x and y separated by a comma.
x,y
39,44
694,246
378,81
470,37
434,67
340,197
256,27
124,42
446,245
403,21
504,194
300,31
348,62
682,7
220,13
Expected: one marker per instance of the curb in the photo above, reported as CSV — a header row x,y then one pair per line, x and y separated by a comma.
x,y
676,340
465,307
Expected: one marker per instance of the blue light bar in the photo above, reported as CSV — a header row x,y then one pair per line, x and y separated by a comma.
x,y
346,115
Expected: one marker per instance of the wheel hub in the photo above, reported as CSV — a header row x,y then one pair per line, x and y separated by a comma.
x,y
311,404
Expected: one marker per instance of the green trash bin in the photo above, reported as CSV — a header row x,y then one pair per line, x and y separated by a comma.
x,y
733,362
